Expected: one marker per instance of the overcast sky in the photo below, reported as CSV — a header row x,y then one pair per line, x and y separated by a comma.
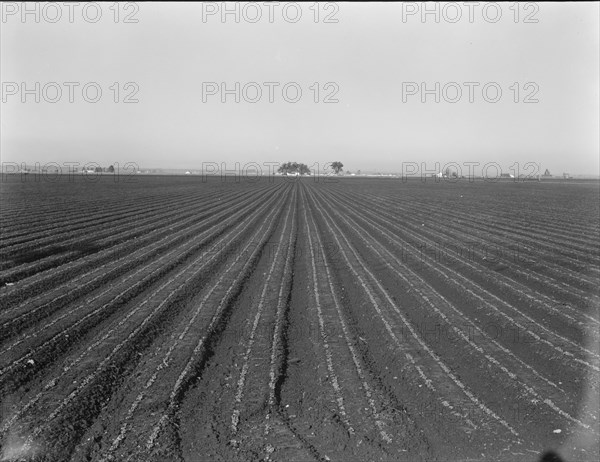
x,y
369,55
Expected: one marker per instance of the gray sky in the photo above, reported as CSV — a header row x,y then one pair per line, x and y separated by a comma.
x,y
368,54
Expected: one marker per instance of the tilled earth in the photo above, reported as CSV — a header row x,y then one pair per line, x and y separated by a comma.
x,y
177,319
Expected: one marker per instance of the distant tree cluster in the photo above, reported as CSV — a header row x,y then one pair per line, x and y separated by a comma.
x,y
98,169
337,167
450,173
294,168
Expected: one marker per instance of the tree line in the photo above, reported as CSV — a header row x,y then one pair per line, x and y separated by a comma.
x,y
297,168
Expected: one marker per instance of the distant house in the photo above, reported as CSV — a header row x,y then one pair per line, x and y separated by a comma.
x,y
547,174
188,173
506,175
566,176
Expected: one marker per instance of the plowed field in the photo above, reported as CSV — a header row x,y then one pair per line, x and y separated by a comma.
x,y
170,318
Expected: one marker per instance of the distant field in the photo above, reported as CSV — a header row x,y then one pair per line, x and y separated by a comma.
x,y
167,318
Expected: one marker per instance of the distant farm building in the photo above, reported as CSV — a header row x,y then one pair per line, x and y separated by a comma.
x,y
547,174
506,175
447,174
566,176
